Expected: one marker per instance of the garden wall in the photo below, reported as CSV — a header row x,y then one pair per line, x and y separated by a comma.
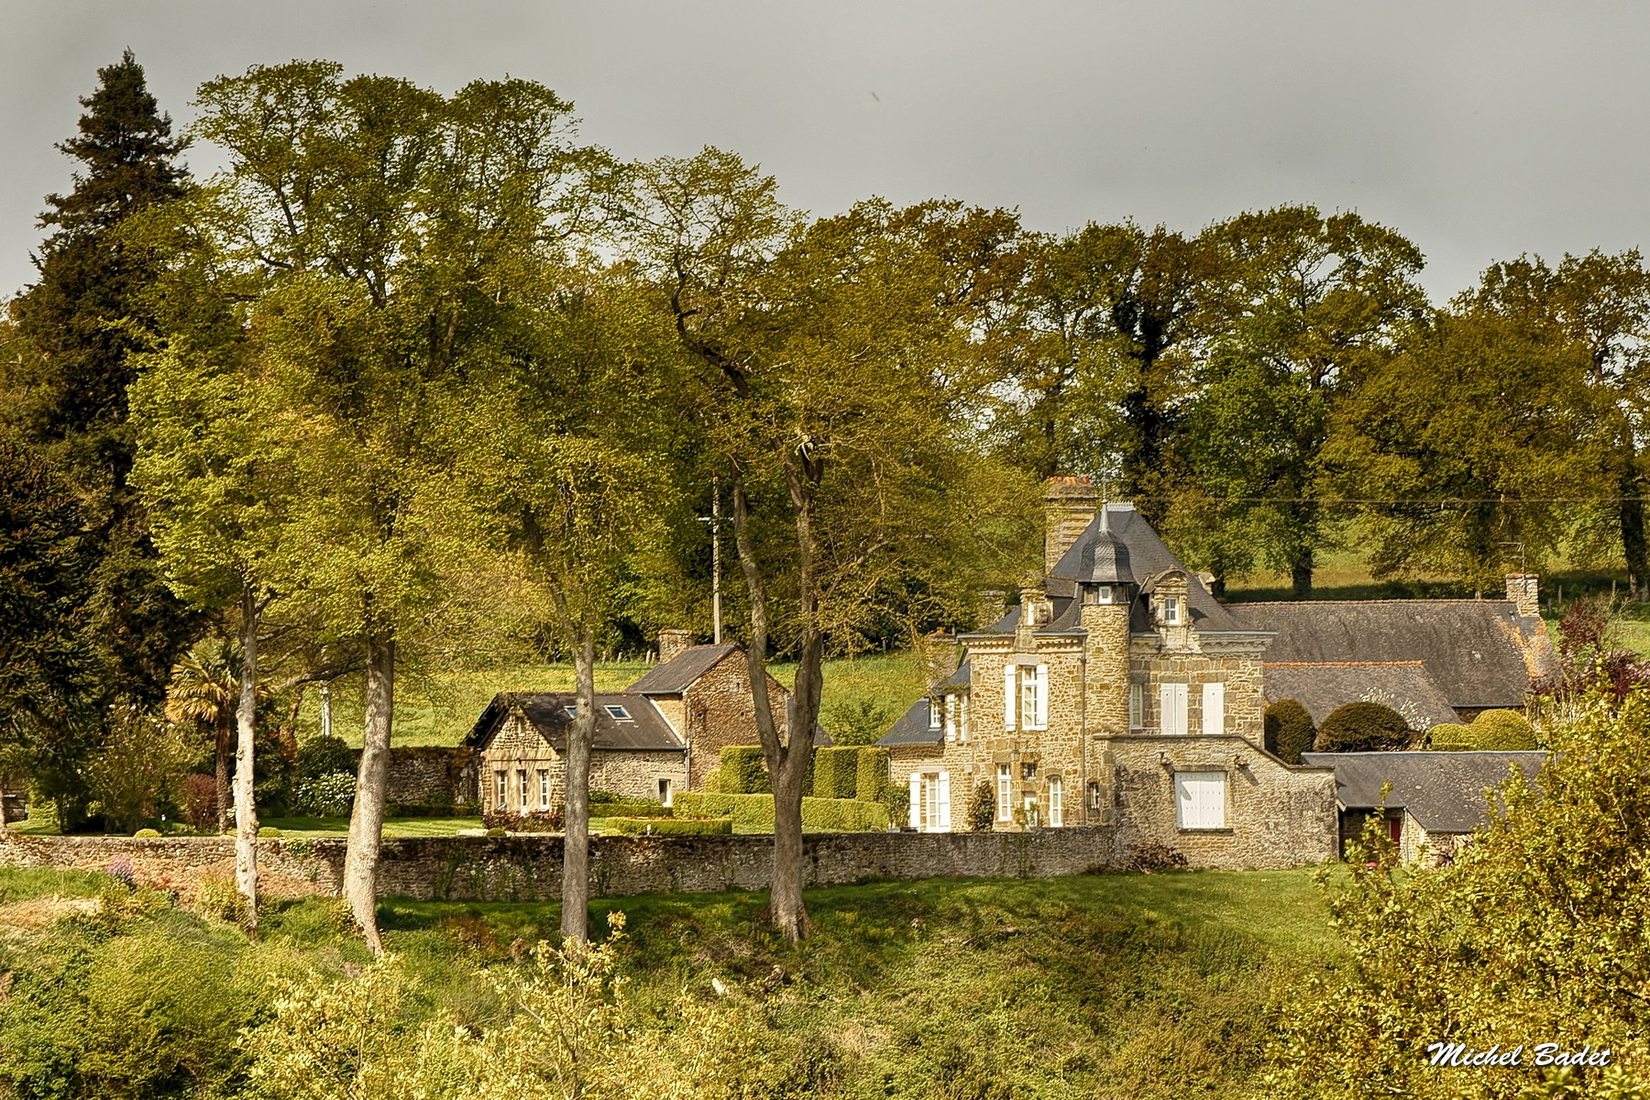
x,y
526,868
430,776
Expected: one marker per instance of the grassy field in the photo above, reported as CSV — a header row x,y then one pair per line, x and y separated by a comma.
x,y
1145,986
439,710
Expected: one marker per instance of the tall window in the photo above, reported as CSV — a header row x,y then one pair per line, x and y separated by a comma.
x,y
1200,800
521,787
500,799
544,789
667,793
936,705
950,702
1005,792
1056,802
1034,697
1137,706
1171,610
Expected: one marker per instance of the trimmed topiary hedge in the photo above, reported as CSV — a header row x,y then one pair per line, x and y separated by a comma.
x,y
836,771
1288,730
1362,727
1446,736
871,776
1503,731
629,808
828,815
744,771
671,826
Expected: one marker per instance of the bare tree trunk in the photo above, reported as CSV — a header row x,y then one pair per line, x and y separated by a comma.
x,y
221,732
575,869
366,822
246,712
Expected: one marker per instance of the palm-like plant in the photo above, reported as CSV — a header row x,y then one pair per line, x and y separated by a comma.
x,y
204,690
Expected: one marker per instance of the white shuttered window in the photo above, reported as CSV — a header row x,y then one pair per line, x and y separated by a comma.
x,y
1200,800
1034,697
943,825
1137,706
1214,709
1171,699
916,800
1005,791
1010,687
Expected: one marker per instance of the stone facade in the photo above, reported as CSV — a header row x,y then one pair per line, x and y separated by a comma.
x,y
431,776
718,709
528,868
518,750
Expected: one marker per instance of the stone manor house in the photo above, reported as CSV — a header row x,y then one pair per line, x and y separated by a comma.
x,y
1120,692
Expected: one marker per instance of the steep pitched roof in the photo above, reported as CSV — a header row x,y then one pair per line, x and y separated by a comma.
x,y
960,680
1147,554
913,728
678,674
1480,653
1444,791
1321,687
546,712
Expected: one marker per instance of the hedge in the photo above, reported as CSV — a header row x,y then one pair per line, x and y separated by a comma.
x,y
1491,731
629,808
668,826
871,780
1288,730
836,770
1362,727
744,771
539,821
827,815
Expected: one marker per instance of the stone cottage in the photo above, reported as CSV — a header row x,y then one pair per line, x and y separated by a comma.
x,y
1118,692
660,735
1429,802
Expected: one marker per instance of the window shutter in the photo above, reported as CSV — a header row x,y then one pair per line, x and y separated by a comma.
x,y
1042,698
916,800
1214,709
1008,697
1137,706
1172,701
1056,802
944,823
1200,800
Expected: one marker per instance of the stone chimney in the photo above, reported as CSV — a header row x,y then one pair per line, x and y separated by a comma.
x,y
937,653
1524,590
1069,506
674,642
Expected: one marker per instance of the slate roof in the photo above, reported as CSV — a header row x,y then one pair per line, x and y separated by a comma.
x,y
1321,687
912,728
1474,650
546,712
678,674
1444,791
959,680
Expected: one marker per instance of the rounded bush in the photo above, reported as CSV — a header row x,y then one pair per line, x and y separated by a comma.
x,y
323,755
268,830
1288,730
982,808
145,834
495,831
1362,727
1502,731
1449,735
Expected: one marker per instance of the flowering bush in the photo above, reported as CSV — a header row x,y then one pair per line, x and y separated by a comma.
x,y
329,795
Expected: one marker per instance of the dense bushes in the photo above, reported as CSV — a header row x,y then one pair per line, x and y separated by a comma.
x,y
836,771
629,808
755,811
1491,731
1288,730
324,755
331,794
539,821
671,826
1362,727
871,776
982,808
743,770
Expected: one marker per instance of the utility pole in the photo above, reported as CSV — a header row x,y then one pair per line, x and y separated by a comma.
x,y
715,521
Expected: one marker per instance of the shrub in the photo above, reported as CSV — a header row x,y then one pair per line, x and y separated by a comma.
x,y
638,807
269,831
982,807
1362,727
1154,855
755,811
1288,730
607,796
835,771
1448,735
539,821
199,798
896,798
871,777
668,826
744,771
857,725
217,899
324,755
145,834
1502,731
496,831
330,794
138,770
713,780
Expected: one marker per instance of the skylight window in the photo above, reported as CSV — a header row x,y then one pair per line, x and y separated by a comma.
x,y
618,713
571,712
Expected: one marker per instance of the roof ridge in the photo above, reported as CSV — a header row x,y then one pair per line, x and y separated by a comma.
x,y
1344,664
1383,600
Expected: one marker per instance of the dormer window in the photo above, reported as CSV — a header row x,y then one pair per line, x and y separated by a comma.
x,y
935,706
1171,610
1101,593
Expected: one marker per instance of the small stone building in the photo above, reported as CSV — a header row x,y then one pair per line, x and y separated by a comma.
x,y
1429,802
1120,693
660,735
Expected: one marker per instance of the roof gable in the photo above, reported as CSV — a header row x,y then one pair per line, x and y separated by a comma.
x,y
1148,554
683,670
645,729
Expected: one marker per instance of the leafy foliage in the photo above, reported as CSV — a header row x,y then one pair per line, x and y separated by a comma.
x,y
657,826
1288,730
836,771
1362,727
744,771
982,807
826,815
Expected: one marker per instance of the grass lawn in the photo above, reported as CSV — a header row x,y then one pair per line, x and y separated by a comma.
x,y
393,826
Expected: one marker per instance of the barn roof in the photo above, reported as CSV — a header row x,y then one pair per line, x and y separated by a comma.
x,y
1320,687
1480,653
642,729
1444,791
679,673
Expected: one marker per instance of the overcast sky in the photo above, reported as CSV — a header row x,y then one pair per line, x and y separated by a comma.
x,y
1479,130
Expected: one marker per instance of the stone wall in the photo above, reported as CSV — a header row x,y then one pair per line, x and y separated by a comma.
x,y
431,776
528,868
720,710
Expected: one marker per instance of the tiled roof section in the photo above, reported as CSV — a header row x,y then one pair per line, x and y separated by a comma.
x,y
912,728
1480,653
1444,791
959,680
647,731
678,674
1147,555
1320,687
